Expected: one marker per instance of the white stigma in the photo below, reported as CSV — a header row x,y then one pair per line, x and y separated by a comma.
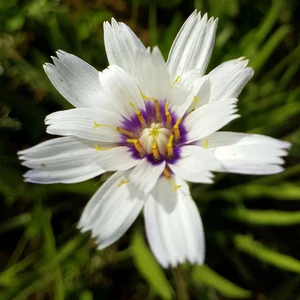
x,y
155,133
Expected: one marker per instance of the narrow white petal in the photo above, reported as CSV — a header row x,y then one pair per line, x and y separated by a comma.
x,y
209,118
145,174
195,164
229,78
121,45
76,80
198,88
152,74
61,160
80,122
180,100
192,46
70,175
116,159
122,90
173,224
112,210
247,153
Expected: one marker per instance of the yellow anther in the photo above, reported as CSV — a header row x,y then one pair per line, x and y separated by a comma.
x,y
175,81
168,115
196,99
132,105
119,129
137,146
103,125
157,111
170,147
123,182
167,174
176,129
155,151
100,148
96,125
206,144
147,98
139,115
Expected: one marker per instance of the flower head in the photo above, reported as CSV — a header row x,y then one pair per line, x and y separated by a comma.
x,y
156,125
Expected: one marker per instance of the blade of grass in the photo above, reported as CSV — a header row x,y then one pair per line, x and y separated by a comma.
x,y
270,256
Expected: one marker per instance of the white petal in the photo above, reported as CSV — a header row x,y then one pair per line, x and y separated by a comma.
x,y
195,164
112,209
121,90
121,45
145,175
209,118
173,225
247,153
180,100
192,46
80,122
152,74
76,80
229,78
61,160
116,159
197,90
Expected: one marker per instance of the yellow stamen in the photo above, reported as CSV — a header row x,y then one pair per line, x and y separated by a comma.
x,y
119,129
170,147
155,151
175,81
100,148
147,98
123,182
157,111
168,115
196,99
206,144
139,115
176,129
124,131
136,143
167,174
104,125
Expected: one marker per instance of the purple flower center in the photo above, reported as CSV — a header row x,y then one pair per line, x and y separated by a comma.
x,y
155,133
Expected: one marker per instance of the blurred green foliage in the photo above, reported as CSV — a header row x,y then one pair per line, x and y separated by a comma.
x,y
251,223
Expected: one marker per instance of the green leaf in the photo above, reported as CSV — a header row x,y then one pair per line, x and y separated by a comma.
x,y
209,277
149,267
282,261
264,217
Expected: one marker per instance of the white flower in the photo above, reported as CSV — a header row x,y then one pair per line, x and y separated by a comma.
x,y
155,124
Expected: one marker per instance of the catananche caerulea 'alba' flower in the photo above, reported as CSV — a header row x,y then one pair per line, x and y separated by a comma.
x,y
156,125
